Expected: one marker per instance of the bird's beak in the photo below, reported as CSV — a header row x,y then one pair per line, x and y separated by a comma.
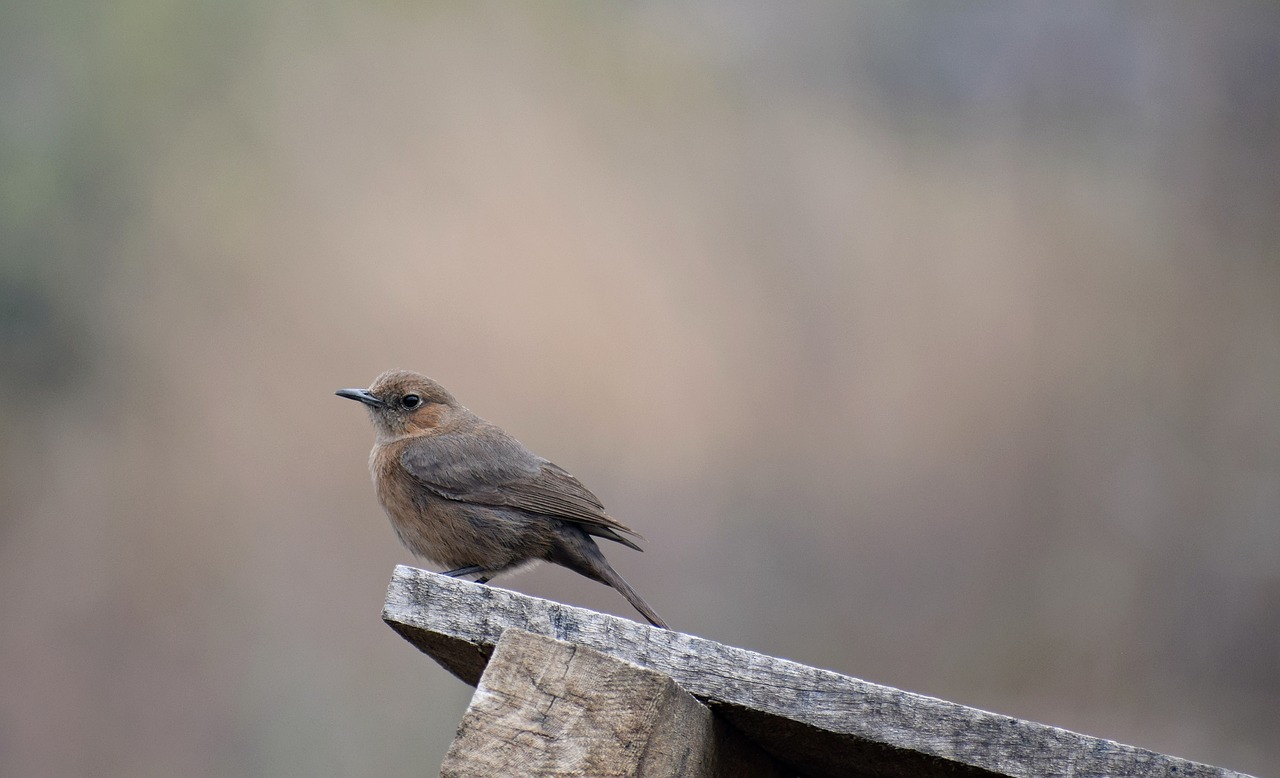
x,y
361,395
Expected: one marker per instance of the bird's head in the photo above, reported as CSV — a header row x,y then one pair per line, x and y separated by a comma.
x,y
403,403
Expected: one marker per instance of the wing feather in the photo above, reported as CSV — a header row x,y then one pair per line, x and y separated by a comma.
x,y
486,466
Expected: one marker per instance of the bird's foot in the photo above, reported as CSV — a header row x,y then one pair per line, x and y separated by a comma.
x,y
461,571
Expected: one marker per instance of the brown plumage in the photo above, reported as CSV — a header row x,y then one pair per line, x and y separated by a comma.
x,y
463,493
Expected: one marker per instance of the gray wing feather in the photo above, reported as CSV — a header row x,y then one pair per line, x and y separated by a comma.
x,y
489,467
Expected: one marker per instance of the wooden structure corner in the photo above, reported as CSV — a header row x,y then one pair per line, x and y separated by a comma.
x,y
568,691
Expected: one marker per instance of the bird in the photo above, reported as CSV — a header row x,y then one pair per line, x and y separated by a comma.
x,y
466,495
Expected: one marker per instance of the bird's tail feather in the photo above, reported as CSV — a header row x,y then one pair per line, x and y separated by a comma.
x,y
585,557
633,597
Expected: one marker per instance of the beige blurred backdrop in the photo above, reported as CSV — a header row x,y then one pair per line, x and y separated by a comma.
x,y
934,344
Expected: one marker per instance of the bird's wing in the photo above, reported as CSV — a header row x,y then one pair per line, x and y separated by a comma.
x,y
487,466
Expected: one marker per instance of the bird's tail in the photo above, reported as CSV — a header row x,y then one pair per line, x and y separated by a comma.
x,y
616,581
586,558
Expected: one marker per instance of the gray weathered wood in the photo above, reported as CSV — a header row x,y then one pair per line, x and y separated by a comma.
x,y
815,721
546,707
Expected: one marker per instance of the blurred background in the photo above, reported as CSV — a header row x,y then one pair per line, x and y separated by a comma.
x,y
934,344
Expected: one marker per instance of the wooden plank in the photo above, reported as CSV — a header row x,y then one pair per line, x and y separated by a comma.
x,y
546,707
816,721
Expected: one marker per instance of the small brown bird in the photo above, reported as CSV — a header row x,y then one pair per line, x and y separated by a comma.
x,y
465,494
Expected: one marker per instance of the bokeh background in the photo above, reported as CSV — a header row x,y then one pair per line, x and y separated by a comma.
x,y
936,344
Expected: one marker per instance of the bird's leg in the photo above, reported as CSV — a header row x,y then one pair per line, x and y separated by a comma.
x,y
461,571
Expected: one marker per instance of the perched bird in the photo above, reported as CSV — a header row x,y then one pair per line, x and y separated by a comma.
x,y
466,495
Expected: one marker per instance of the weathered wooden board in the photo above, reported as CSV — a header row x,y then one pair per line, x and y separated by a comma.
x,y
546,707
815,721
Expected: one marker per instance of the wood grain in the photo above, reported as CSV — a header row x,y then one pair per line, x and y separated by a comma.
x,y
545,707
816,722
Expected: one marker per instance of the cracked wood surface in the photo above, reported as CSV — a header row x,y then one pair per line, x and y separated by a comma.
x,y
814,721
547,707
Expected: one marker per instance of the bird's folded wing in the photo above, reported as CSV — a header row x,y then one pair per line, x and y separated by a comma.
x,y
492,468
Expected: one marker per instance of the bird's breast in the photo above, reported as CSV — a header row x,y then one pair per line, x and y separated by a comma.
x,y
400,494
427,524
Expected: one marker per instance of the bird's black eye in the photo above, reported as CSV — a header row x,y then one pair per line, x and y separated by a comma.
x,y
410,401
